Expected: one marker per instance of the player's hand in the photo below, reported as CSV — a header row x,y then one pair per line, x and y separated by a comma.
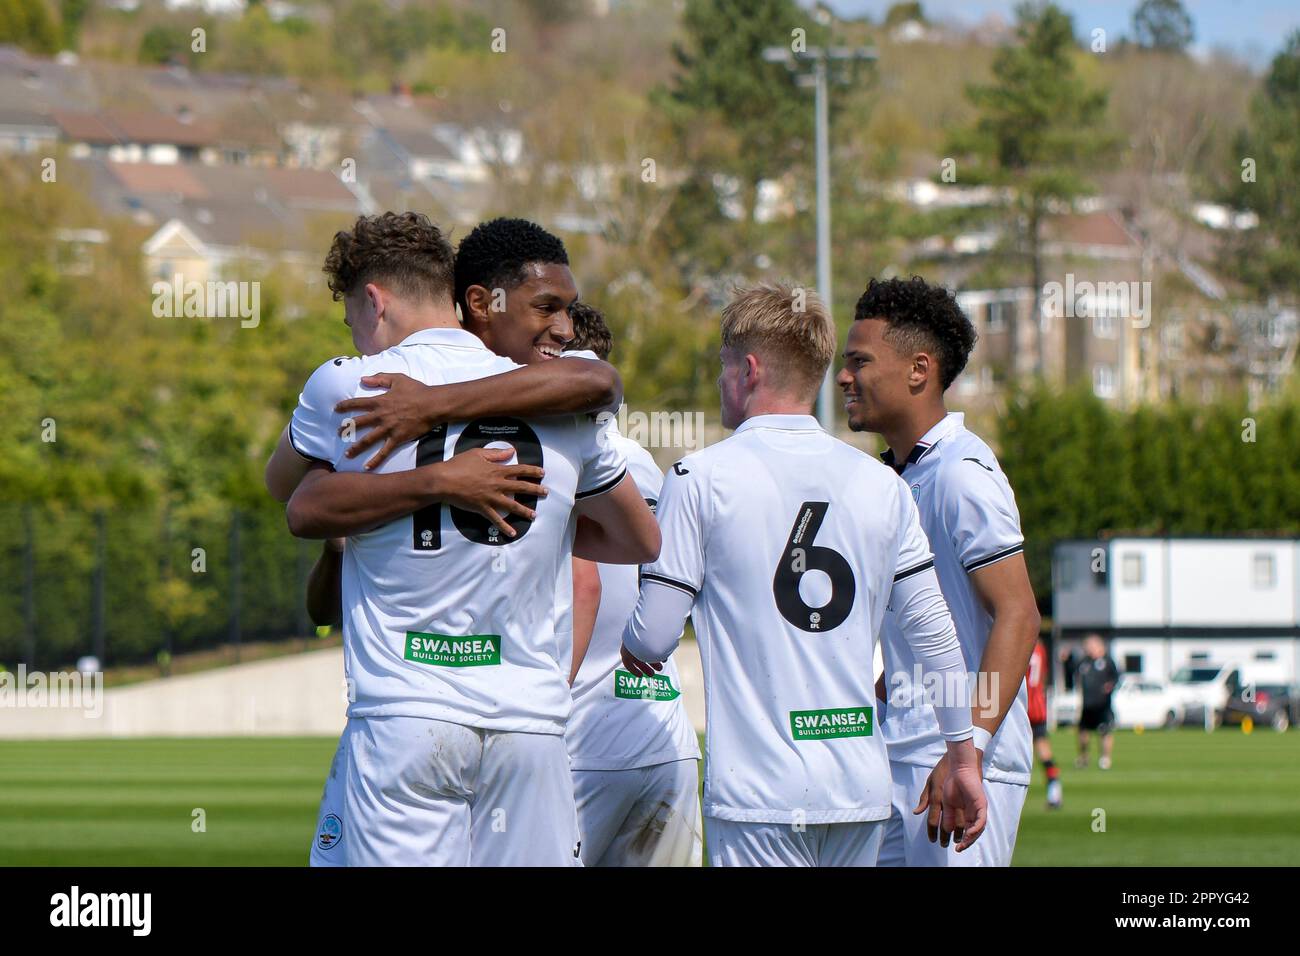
x,y
965,806
407,411
478,481
954,796
932,799
638,667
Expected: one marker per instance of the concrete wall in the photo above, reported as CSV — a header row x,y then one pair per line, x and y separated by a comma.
x,y
297,695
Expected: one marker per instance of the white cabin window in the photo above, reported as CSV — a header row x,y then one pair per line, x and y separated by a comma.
x,y
1133,570
1067,572
1265,571
1103,380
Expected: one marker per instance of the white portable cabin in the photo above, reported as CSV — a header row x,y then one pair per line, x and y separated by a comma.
x,y
1163,603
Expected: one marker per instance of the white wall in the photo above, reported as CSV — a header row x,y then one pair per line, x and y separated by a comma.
x,y
1137,601
1212,583
295,695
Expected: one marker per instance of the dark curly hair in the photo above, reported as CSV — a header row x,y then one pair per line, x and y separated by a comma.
x,y
494,254
404,251
589,331
921,318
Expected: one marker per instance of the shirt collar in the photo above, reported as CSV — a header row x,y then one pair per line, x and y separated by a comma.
x,y
798,423
444,336
941,430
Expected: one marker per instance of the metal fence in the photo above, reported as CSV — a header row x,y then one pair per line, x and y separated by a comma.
x,y
128,584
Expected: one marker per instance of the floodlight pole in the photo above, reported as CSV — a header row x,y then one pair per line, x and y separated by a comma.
x,y
825,397
820,59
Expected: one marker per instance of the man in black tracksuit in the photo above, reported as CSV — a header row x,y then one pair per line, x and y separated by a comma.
x,y
1096,676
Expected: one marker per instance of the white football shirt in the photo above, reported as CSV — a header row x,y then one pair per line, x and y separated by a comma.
x,y
791,542
621,721
444,617
969,514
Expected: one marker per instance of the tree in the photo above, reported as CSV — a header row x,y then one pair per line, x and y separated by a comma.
x,y
739,115
1268,258
30,24
1162,25
1040,127
904,13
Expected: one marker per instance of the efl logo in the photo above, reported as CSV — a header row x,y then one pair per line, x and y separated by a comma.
x,y
103,909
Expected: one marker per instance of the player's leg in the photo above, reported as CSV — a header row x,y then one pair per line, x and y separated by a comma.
x,y
1081,761
1043,748
327,846
604,799
852,844
893,845
730,843
997,844
1107,741
662,828
523,809
407,795
993,848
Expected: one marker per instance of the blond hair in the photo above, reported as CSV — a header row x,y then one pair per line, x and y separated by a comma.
x,y
788,326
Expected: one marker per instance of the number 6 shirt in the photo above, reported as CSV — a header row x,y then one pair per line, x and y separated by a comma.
x,y
444,617
790,542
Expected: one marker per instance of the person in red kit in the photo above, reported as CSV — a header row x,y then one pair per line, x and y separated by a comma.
x,y
1036,684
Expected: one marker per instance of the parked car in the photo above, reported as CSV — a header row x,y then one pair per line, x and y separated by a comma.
x,y
1276,705
1143,702
1204,691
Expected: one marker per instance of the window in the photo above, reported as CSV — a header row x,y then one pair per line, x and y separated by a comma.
x,y
1000,316
1132,663
1067,572
1132,570
1265,571
1103,323
1103,380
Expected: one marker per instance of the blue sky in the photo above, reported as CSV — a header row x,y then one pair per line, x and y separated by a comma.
x,y
1252,29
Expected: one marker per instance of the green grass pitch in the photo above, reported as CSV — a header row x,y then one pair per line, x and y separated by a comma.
x,y
1183,798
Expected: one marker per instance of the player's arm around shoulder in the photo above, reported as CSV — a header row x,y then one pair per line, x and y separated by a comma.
x,y
311,436
619,528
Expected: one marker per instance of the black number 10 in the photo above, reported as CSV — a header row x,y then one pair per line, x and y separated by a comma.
x,y
427,522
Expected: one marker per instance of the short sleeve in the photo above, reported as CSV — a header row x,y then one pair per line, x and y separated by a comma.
x,y
914,555
587,354
682,523
603,463
313,429
980,515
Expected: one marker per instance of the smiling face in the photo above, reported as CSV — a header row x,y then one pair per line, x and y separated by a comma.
x,y
877,379
530,322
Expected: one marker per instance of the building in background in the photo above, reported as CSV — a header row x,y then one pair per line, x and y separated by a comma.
x,y
1168,603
